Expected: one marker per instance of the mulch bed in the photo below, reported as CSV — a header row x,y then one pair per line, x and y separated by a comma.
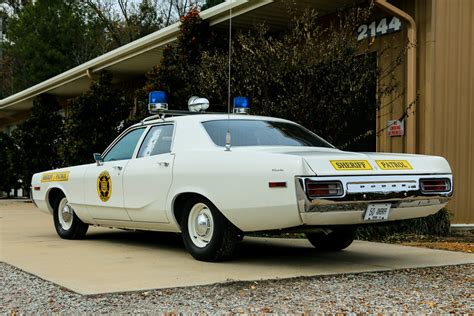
x,y
459,240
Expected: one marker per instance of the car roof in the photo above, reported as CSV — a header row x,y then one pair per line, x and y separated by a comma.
x,y
209,117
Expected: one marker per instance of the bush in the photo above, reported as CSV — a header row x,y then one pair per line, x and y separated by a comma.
x,y
437,224
8,155
315,73
39,140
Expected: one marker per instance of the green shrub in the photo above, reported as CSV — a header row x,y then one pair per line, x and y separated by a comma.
x,y
8,156
437,224
39,140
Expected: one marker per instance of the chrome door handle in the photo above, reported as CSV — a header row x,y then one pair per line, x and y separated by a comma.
x,y
119,168
163,163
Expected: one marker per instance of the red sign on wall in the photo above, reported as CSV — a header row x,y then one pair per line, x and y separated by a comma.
x,y
396,128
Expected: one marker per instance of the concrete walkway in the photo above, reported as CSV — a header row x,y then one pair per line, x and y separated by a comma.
x,y
114,260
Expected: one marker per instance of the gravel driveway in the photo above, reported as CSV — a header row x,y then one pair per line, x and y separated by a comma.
x,y
438,290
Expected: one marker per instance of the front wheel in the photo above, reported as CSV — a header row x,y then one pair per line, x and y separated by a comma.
x,y
337,239
66,222
207,234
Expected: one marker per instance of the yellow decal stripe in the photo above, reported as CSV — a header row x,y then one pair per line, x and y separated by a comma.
x,y
55,176
394,164
351,165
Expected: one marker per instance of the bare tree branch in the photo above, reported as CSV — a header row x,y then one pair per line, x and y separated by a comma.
x,y
123,4
108,23
168,16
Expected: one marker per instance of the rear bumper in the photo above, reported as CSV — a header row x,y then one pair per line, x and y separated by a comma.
x,y
356,217
350,208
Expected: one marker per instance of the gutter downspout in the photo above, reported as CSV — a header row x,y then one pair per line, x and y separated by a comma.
x,y
411,72
89,73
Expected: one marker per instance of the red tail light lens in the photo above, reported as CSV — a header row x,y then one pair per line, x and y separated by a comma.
x,y
316,189
435,185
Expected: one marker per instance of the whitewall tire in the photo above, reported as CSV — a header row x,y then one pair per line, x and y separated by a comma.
x,y
66,222
207,234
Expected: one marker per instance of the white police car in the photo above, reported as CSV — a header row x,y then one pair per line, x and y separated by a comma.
x,y
216,177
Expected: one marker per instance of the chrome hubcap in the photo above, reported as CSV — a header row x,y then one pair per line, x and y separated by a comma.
x,y
65,214
200,225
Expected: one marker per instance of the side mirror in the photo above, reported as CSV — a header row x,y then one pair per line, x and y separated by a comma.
x,y
98,159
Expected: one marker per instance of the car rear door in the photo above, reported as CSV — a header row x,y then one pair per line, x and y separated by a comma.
x,y
148,177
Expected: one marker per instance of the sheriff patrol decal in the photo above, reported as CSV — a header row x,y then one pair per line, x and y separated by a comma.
x,y
394,164
104,186
55,176
344,165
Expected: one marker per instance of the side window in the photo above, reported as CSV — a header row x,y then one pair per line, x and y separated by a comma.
x,y
124,148
157,141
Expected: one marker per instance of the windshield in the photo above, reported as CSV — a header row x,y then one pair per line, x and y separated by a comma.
x,y
262,133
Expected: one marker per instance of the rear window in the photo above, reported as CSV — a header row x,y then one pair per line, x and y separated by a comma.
x,y
262,133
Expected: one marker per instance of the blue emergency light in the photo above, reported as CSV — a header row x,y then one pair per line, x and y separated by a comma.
x,y
157,101
241,105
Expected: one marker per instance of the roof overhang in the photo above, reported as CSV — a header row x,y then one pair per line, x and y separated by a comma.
x,y
138,57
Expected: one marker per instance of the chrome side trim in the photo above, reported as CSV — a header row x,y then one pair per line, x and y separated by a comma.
x,y
354,198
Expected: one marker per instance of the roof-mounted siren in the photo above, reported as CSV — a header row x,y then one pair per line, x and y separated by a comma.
x,y
241,105
157,102
197,104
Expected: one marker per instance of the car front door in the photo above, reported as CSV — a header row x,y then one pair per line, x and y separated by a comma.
x,y
104,182
148,177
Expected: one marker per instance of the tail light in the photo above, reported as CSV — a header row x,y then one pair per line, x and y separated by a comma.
x,y
435,185
316,189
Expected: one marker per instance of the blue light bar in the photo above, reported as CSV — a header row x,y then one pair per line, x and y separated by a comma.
x,y
241,104
158,97
157,102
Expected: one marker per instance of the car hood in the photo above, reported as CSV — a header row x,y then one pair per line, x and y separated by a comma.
x,y
330,161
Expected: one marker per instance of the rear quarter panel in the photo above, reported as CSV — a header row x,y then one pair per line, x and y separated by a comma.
x,y
238,184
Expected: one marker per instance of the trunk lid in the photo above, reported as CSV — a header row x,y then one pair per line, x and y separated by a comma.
x,y
347,163
330,161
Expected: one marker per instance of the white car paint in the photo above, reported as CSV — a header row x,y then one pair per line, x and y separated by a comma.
x,y
145,189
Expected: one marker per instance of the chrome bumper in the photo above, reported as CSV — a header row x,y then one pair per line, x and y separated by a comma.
x,y
360,191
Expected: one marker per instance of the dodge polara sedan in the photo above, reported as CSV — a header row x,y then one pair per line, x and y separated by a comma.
x,y
215,178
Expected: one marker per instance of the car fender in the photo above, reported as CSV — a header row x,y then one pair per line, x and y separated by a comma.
x,y
42,189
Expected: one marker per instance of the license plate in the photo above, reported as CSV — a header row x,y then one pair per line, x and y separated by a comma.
x,y
377,212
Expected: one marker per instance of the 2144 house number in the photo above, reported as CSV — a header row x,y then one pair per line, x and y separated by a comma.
x,y
378,28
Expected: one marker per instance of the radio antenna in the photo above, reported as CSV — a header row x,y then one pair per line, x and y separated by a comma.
x,y
227,136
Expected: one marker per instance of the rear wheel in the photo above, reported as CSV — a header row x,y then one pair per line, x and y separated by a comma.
x,y
337,239
66,222
207,234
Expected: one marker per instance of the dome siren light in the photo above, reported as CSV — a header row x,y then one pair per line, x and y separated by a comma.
x,y
197,104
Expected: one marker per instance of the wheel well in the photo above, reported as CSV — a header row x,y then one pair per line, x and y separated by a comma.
x,y
180,201
52,196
